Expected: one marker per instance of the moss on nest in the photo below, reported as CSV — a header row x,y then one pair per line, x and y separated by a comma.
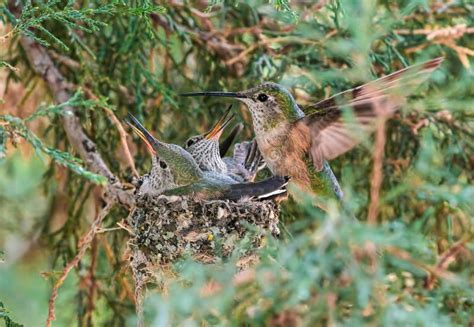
x,y
166,228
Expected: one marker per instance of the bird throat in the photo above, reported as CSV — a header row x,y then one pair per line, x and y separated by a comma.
x,y
159,179
208,158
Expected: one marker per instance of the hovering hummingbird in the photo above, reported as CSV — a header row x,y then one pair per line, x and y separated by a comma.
x,y
297,142
186,178
207,152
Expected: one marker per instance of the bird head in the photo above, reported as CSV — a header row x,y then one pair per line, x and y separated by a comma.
x,y
169,156
269,103
205,148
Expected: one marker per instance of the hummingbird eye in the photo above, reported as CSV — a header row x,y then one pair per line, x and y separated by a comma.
x,y
190,142
262,97
163,164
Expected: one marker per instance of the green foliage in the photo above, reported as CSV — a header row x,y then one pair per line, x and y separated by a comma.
x,y
6,319
326,268
36,15
65,159
325,275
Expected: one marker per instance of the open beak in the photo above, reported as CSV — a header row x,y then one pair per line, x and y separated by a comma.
x,y
215,94
219,127
142,132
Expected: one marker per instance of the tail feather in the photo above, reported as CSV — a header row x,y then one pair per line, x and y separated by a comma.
x,y
263,190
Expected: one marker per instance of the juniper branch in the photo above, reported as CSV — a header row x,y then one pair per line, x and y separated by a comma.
x,y
44,66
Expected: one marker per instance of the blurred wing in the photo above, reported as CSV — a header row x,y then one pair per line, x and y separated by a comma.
x,y
401,83
339,123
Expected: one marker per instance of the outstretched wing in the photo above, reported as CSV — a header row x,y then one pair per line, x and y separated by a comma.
x,y
401,82
339,123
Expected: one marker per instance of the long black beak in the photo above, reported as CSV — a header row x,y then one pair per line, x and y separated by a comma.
x,y
215,94
142,132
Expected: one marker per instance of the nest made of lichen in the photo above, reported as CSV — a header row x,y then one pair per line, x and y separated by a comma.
x,y
168,228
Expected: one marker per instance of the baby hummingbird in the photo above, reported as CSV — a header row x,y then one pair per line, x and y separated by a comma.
x,y
207,152
190,180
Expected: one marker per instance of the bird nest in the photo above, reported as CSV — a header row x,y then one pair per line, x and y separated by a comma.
x,y
167,228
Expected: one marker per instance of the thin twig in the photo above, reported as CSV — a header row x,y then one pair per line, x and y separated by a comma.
x,y
377,175
454,30
108,230
62,59
404,255
241,55
445,36
446,259
123,135
44,66
123,140
83,245
123,226
92,283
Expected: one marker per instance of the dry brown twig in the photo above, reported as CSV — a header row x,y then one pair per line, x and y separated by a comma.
x,y
92,284
445,36
377,173
404,255
83,245
122,134
62,59
445,259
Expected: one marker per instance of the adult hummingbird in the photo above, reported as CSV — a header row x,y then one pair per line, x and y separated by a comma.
x,y
297,142
206,150
188,179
